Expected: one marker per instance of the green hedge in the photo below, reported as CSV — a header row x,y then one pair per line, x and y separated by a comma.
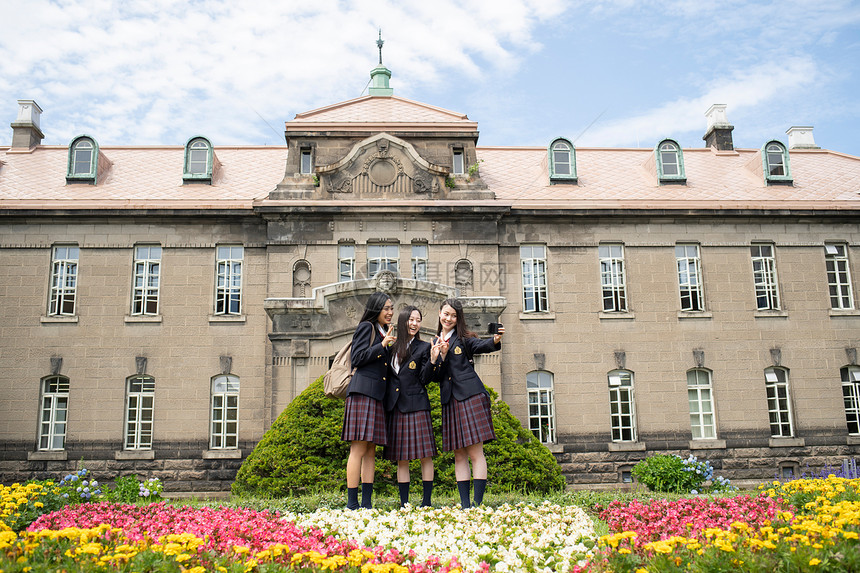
x,y
302,453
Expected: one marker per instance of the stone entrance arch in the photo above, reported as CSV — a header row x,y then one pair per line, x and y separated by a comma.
x,y
308,332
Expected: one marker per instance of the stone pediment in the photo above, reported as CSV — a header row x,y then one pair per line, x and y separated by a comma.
x,y
382,166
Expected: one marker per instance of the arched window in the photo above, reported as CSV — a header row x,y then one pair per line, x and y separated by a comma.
x,y
55,407
539,385
83,160
562,161
701,399
778,403
622,406
670,162
198,160
851,397
140,402
775,163
301,278
224,434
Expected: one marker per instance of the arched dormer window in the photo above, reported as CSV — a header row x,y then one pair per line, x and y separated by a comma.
x,y
670,162
198,160
562,161
774,157
83,160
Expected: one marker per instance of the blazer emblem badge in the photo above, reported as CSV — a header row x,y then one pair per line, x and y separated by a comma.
x,y
457,350
412,365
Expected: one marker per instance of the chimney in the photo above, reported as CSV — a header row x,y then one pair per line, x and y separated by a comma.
x,y
800,137
719,134
25,129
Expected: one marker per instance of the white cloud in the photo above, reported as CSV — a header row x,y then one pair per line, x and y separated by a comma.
x,y
746,89
160,72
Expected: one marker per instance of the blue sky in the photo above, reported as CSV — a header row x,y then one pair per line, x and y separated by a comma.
x,y
603,73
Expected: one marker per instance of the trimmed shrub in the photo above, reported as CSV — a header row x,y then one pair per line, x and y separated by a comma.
x,y
671,473
302,453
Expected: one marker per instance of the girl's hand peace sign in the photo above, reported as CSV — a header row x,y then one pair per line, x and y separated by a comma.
x,y
438,348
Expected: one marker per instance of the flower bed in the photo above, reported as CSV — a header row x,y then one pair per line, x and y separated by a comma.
x,y
659,519
524,537
816,530
803,525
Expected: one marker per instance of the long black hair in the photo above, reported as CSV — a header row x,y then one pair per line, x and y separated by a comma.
x,y
401,343
374,306
460,327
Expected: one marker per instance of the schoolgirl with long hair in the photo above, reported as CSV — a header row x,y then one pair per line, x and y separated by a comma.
x,y
364,415
467,421
410,428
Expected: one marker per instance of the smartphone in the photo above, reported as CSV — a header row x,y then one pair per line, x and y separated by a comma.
x,y
493,327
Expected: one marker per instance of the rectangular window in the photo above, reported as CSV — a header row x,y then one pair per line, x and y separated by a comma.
x,y
778,405
701,405
764,277
539,385
419,261
138,420
459,162
690,277
228,288
851,397
533,260
307,166
838,276
225,413
622,408
55,408
345,263
147,267
64,281
612,279
381,258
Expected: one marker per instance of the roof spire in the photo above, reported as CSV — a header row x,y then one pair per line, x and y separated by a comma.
x,y
380,75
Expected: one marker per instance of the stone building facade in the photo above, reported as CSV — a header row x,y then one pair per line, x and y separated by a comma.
x,y
164,304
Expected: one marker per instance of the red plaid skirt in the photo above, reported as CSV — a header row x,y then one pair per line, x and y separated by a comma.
x,y
467,422
364,420
410,436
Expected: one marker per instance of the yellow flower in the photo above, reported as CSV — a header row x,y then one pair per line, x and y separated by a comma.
x,y
815,561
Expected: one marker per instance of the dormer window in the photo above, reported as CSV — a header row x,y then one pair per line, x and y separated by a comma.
x,y
83,160
459,162
562,161
775,163
198,160
670,162
307,163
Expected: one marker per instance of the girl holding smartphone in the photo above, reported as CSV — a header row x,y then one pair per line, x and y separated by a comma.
x,y
466,418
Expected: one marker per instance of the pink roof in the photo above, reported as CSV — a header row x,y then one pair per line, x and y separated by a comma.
x,y
619,178
139,177
151,178
376,113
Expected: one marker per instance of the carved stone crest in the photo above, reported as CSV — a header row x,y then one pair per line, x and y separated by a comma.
x,y
342,186
385,281
382,147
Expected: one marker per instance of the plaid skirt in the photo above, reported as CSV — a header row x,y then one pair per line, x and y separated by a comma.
x,y
410,436
364,420
467,422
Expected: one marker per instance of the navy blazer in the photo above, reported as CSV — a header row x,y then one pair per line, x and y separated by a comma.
x,y
407,389
370,361
458,376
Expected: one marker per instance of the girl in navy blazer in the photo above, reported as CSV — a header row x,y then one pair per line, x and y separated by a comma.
x,y
364,416
410,428
466,418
